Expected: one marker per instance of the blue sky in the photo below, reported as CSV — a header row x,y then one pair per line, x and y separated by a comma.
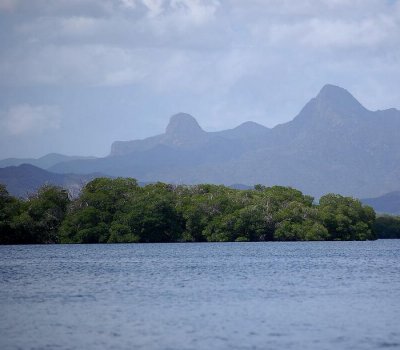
x,y
76,75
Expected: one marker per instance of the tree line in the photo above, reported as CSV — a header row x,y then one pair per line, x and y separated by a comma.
x,y
121,211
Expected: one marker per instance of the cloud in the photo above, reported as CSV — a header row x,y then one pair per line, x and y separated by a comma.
x,y
25,119
336,34
155,7
195,11
125,41
131,4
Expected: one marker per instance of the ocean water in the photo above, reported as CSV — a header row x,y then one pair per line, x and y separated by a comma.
x,y
311,295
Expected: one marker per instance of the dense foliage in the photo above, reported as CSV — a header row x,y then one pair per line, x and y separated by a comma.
x,y
36,220
387,226
120,211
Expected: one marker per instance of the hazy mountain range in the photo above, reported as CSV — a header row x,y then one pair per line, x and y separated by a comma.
x,y
44,162
388,203
333,145
25,179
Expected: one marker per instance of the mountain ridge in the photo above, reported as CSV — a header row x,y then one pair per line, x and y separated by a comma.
x,y
333,144
25,179
389,203
43,162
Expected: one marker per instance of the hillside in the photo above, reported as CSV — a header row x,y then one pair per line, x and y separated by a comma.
x,y
389,203
25,179
44,162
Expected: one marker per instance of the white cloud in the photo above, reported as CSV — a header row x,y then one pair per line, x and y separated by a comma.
x,y
26,119
131,4
96,50
335,33
195,11
155,7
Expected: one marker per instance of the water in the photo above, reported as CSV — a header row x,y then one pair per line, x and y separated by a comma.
x,y
322,295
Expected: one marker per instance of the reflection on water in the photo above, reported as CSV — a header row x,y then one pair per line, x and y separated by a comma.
x,y
322,295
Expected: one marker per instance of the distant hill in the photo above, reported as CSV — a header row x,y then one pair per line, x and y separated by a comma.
x,y
25,179
388,203
44,162
333,145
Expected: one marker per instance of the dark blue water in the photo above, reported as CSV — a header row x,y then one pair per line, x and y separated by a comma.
x,y
322,295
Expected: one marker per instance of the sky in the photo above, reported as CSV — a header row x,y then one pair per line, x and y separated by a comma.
x,y
76,75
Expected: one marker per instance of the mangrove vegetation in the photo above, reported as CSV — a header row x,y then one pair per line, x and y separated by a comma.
x,y
121,211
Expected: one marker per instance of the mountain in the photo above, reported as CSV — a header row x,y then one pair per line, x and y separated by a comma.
x,y
25,179
389,203
333,145
44,162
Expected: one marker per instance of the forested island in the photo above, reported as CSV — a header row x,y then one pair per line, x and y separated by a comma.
x,y
121,211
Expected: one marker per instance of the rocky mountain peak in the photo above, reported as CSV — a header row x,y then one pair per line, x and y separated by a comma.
x,y
332,106
183,124
338,99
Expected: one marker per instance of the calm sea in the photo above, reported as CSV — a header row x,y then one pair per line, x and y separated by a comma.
x,y
322,295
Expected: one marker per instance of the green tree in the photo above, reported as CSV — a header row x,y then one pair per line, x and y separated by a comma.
x,y
90,217
346,218
37,220
152,216
387,226
10,208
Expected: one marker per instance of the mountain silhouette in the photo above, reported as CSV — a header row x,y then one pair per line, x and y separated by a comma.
x,y
333,145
